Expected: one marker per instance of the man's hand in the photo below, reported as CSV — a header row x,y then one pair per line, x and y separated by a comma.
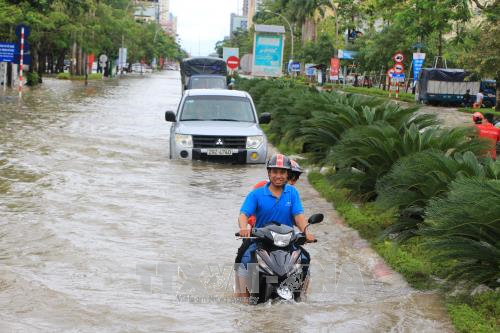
x,y
309,237
245,232
243,223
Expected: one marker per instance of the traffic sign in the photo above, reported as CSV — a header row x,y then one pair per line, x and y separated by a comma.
x,y
390,71
103,58
398,57
26,54
7,51
399,68
233,62
398,77
295,66
26,30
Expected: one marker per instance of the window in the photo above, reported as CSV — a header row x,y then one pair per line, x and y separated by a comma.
x,y
217,108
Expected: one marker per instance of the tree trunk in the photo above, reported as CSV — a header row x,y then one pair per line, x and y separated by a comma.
x,y
308,30
80,60
497,107
440,45
73,59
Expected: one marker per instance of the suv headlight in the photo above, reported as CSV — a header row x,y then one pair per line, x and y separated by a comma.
x,y
280,239
184,140
254,142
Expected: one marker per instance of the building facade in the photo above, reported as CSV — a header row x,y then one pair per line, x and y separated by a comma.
x,y
238,22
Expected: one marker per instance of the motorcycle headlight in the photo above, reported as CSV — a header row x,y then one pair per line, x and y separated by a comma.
x,y
183,140
263,264
254,142
280,239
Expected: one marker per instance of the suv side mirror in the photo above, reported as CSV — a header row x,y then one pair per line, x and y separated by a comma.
x,y
265,118
170,116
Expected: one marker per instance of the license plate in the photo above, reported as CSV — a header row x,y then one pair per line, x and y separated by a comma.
x,y
219,151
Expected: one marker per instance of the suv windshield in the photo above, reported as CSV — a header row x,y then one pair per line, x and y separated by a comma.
x,y
223,108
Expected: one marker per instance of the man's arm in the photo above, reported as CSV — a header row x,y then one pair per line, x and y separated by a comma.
x,y
243,223
301,223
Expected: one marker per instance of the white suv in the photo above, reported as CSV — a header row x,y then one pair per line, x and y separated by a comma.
x,y
217,125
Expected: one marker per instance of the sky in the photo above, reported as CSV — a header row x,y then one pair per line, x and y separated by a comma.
x,y
201,23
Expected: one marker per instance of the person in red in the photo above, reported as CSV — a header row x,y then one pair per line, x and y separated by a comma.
x,y
293,177
488,131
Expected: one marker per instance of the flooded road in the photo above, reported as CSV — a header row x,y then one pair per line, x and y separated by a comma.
x,y
93,214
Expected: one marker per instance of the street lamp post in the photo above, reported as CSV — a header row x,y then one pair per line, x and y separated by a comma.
x,y
289,26
336,26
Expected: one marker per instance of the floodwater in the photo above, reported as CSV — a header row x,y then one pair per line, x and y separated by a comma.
x,y
92,211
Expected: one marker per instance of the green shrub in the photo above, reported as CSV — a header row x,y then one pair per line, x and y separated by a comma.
x,y
324,129
403,96
415,179
67,76
63,76
465,227
367,153
476,314
32,79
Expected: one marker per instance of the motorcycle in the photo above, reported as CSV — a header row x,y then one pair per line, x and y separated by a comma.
x,y
280,273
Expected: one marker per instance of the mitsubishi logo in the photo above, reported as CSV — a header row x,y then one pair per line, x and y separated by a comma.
x,y
219,142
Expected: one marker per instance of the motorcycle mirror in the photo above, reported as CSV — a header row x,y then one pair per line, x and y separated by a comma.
x,y
316,218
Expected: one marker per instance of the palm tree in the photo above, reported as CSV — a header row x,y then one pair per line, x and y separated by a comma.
x,y
303,12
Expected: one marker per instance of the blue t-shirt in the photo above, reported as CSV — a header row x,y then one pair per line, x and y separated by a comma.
x,y
267,208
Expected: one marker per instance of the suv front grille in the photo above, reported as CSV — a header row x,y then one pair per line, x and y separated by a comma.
x,y
205,141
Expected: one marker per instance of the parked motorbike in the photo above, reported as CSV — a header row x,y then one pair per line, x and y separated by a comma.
x,y
279,252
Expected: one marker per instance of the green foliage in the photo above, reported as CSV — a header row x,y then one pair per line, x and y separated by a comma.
x,y
403,96
367,153
415,179
319,52
483,111
32,79
95,26
322,131
477,314
68,76
465,227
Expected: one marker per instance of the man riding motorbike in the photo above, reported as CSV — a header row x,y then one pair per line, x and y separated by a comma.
x,y
275,202
293,176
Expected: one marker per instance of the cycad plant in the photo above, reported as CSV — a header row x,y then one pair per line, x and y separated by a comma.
x,y
417,178
366,153
324,129
465,227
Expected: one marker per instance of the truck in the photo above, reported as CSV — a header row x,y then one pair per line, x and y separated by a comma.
x,y
203,73
447,86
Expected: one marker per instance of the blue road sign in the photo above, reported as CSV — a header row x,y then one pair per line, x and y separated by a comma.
x,y
26,30
7,51
26,54
295,66
398,77
417,67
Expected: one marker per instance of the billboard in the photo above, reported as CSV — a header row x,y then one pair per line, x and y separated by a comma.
x,y
346,54
334,68
268,55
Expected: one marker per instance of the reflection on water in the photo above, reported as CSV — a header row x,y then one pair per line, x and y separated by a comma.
x,y
88,195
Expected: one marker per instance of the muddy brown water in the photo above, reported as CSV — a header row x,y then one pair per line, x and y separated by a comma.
x,y
91,208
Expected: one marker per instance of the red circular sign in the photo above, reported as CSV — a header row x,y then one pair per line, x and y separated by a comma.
x,y
398,57
390,71
399,68
233,62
